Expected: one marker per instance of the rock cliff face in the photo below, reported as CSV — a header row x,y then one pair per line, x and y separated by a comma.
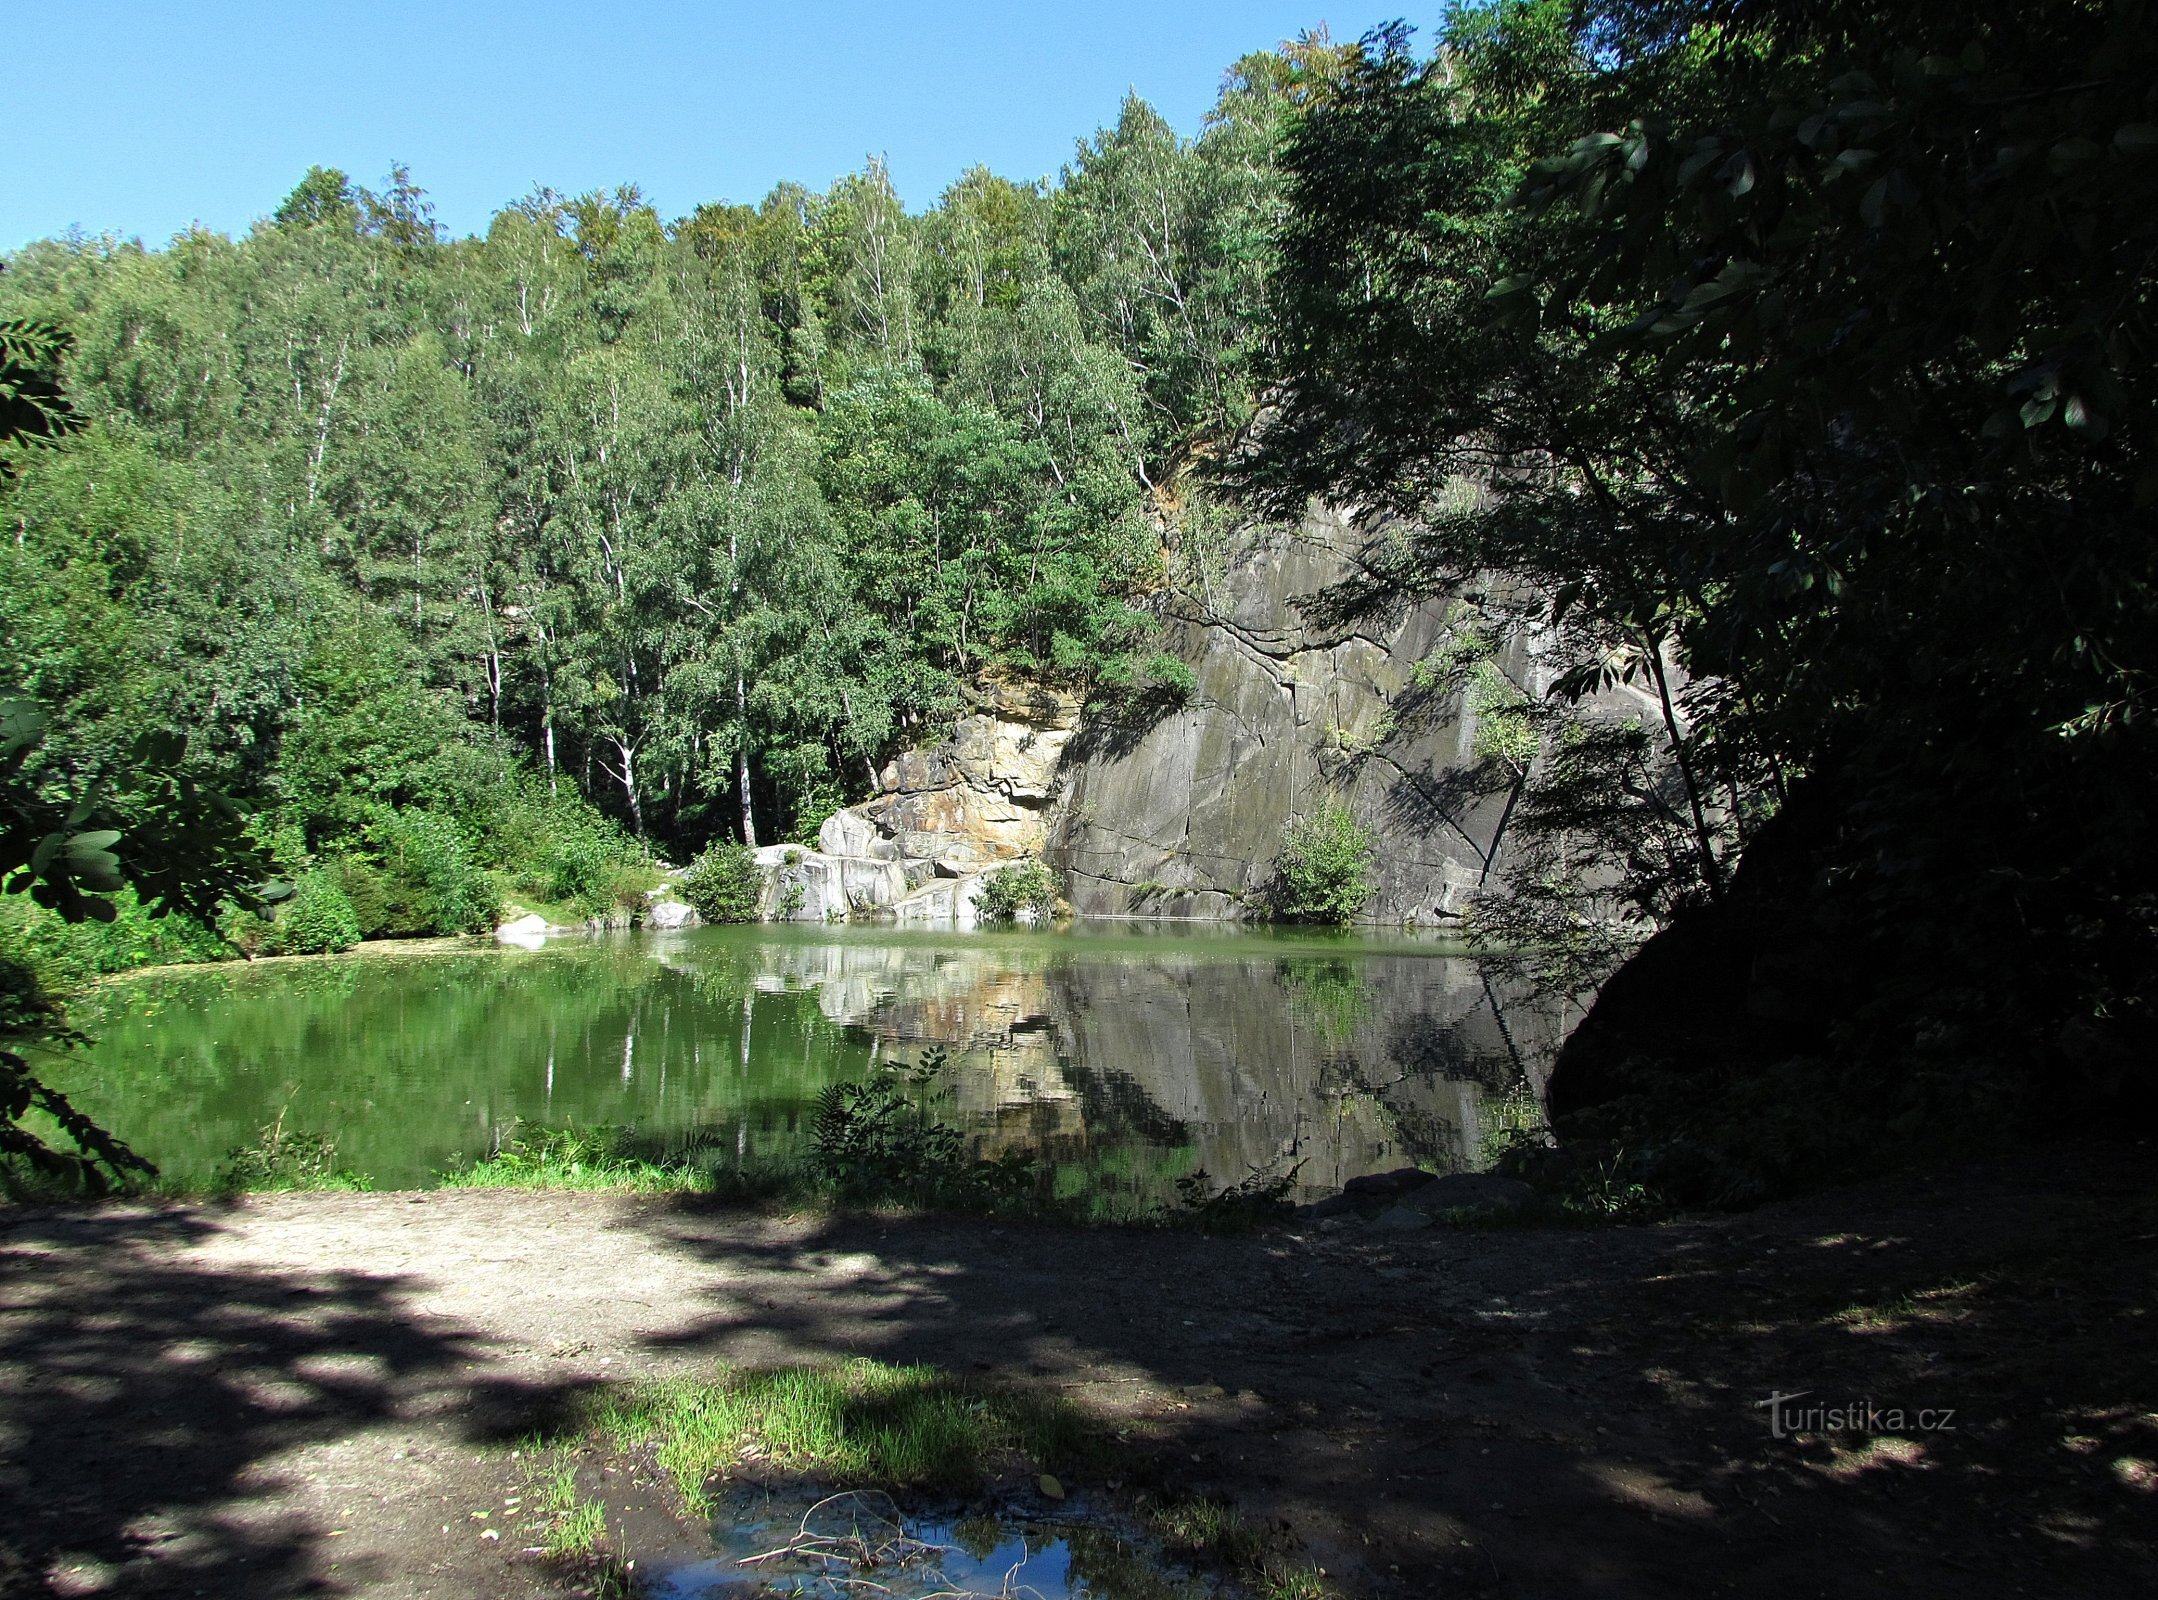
x,y
1184,818
945,819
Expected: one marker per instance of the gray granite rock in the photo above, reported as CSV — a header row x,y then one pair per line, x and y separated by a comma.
x,y
1183,817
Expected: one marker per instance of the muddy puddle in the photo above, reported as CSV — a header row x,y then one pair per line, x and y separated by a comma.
x,y
845,1546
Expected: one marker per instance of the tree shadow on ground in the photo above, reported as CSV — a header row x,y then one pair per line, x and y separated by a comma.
x,y
147,1395
1569,1412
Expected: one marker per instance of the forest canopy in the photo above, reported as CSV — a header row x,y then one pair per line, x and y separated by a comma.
x,y
446,556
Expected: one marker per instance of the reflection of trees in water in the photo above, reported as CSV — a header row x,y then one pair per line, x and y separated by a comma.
x,y
1117,1107
1332,996
1235,1055
413,1063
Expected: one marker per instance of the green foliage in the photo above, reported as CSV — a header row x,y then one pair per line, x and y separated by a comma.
x,y
872,1142
187,846
1251,1202
1506,727
286,1159
418,875
1323,871
1825,334
67,956
724,884
701,521
864,1424
583,1158
31,403
1027,885
317,920
1137,690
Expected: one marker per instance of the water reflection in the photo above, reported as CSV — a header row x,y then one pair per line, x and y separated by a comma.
x,y
802,1544
1131,1058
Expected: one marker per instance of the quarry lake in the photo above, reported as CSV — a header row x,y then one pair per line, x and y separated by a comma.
x,y
1130,1056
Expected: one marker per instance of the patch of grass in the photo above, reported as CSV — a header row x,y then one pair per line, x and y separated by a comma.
x,y
1302,1584
603,1158
577,1528
1264,1559
571,1530
865,1424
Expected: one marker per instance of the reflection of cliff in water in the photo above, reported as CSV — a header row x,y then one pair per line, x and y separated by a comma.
x,y
1249,1060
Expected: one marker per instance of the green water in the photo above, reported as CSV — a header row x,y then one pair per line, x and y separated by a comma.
x,y
1130,1058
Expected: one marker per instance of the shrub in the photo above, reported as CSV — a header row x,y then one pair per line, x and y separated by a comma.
x,y
871,1142
319,918
284,1158
431,883
724,884
1167,679
1140,690
67,955
368,892
1323,873
1026,885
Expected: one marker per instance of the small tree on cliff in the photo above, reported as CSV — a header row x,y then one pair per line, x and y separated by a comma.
x,y
1323,873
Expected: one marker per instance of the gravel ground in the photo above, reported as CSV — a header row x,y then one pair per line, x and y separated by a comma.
x,y
313,1394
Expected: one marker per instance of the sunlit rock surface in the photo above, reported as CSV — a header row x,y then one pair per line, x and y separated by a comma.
x,y
947,817
1184,817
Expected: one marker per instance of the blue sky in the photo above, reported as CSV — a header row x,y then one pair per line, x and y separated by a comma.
x,y
142,118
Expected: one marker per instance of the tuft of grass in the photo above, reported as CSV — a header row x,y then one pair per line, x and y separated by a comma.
x,y
865,1424
1302,1584
577,1530
569,1526
1261,1557
581,1158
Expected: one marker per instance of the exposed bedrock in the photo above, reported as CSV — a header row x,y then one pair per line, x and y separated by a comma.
x,y
1185,817
944,821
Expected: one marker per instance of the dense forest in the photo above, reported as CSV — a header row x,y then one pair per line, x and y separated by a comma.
x,y
601,533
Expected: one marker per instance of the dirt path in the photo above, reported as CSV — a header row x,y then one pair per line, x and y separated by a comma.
x,y
312,1394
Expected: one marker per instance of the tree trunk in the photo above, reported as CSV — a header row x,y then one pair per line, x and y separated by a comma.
x,y
628,756
741,762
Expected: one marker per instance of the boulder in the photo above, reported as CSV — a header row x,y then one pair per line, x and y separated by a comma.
x,y
944,902
1401,1219
1386,1185
868,883
1485,1193
528,932
850,833
1334,1205
670,914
